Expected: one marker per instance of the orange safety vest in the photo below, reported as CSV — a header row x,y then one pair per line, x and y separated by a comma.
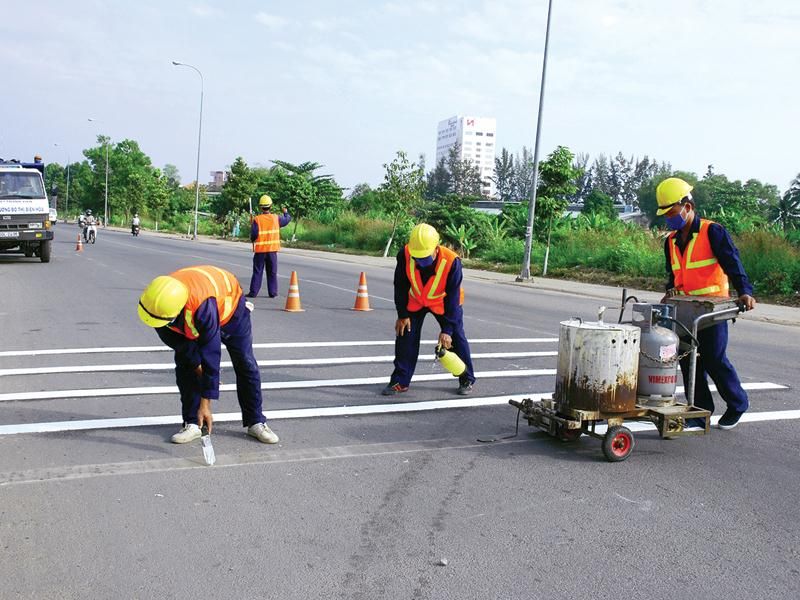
x,y
269,233
432,294
697,271
207,282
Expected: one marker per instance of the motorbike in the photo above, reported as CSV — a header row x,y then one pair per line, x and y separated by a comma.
x,y
90,233
135,230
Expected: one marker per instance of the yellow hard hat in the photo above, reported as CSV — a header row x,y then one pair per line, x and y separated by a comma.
x,y
669,192
422,241
265,201
162,300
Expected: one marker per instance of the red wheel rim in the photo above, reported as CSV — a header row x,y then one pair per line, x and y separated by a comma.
x,y
621,444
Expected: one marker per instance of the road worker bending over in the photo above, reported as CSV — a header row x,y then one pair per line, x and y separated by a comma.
x,y
194,311
427,278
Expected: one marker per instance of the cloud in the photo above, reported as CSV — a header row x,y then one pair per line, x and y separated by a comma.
x,y
271,21
204,11
331,24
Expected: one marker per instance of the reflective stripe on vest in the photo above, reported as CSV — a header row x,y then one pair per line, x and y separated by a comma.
x,y
269,233
432,294
697,271
207,282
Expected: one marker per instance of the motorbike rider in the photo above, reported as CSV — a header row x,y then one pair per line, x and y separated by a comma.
x,y
88,221
135,224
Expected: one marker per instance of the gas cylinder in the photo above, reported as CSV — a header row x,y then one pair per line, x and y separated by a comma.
x,y
658,361
451,361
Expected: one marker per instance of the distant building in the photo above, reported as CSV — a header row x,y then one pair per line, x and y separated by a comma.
x,y
218,179
476,139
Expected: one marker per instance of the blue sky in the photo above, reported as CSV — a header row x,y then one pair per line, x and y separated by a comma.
x,y
349,83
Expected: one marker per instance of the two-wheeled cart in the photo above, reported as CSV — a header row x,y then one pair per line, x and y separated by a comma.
x,y
610,373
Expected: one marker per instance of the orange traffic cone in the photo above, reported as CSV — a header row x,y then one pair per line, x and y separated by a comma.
x,y
79,245
293,299
362,295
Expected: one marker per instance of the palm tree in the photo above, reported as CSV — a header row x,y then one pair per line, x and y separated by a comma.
x,y
787,211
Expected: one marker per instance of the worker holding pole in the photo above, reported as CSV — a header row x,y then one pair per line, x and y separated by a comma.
x,y
427,278
701,258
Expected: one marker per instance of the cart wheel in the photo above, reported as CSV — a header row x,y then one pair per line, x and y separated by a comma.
x,y
567,435
618,443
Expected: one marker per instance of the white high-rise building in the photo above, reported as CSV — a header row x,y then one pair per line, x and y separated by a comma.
x,y
476,139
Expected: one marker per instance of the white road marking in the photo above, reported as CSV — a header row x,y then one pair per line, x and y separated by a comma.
x,y
291,413
268,345
273,385
347,411
288,362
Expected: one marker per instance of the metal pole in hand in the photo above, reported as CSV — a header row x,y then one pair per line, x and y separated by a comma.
x,y
525,274
199,138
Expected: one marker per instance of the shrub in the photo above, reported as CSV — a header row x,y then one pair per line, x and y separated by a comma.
x,y
771,262
505,250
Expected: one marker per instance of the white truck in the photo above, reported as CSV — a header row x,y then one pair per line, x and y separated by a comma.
x,y
25,225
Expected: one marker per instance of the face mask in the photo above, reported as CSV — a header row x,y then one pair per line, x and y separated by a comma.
x,y
426,261
677,222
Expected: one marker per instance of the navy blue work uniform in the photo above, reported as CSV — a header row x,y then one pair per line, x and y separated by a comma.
x,y
206,351
711,359
406,346
265,260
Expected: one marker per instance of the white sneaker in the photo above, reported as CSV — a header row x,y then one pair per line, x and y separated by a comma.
x,y
189,433
262,433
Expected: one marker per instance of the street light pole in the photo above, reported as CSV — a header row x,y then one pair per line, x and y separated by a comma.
x,y
199,137
525,274
105,213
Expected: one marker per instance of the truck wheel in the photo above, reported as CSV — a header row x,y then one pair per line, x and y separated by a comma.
x,y
618,443
44,251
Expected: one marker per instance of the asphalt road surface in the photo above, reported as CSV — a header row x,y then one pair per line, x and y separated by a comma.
x,y
365,496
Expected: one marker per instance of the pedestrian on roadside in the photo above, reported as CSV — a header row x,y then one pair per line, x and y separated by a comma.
x,y
194,311
265,233
700,259
427,278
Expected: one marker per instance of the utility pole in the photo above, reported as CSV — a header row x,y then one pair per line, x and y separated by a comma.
x,y
525,274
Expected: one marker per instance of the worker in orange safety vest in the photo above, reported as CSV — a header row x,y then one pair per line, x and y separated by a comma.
x,y
701,258
265,233
194,311
427,278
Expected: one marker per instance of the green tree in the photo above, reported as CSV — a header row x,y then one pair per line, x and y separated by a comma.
x,y
523,175
401,191
599,203
438,181
786,211
171,175
237,192
465,176
503,176
557,177
55,184
303,192
364,200
158,200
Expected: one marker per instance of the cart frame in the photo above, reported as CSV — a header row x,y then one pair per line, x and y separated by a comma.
x,y
618,441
